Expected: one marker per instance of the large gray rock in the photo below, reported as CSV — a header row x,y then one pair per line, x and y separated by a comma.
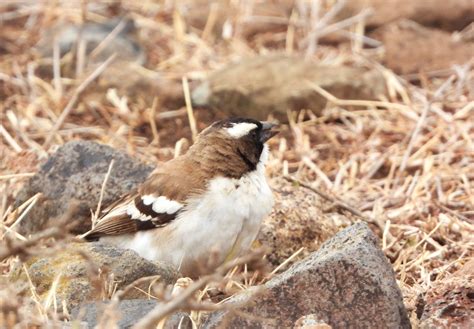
x,y
124,45
266,85
125,73
129,313
74,174
347,283
298,219
76,284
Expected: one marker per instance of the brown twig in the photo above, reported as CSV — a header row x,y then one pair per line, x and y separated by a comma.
x,y
109,312
189,109
454,213
59,231
181,301
16,248
338,202
101,196
405,110
74,98
108,39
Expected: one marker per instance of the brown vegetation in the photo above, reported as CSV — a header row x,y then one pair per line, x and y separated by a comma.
x,y
404,163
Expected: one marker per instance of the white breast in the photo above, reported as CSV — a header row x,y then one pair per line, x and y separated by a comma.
x,y
223,222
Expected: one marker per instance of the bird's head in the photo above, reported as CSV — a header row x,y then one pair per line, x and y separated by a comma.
x,y
240,141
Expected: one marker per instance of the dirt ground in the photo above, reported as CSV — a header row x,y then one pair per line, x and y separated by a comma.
x,y
405,160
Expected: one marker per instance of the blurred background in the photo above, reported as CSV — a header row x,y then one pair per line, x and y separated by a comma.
x,y
375,99
238,57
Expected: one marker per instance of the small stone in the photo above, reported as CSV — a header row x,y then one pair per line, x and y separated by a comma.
x,y
347,283
310,321
118,266
265,85
129,312
74,174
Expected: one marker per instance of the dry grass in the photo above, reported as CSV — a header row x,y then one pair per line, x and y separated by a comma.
x,y
405,162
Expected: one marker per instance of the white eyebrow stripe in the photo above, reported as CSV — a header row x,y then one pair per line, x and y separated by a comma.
x,y
240,129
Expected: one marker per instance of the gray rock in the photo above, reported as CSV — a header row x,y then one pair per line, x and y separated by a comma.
x,y
347,283
125,73
77,281
298,219
129,313
266,85
74,174
123,45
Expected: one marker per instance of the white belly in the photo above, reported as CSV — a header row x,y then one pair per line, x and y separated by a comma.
x,y
220,224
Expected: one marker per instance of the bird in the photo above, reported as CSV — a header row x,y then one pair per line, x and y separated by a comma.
x,y
209,201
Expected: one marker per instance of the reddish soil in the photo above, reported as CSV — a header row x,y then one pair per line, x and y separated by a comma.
x,y
412,48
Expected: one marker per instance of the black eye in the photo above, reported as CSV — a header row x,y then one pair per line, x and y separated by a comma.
x,y
254,133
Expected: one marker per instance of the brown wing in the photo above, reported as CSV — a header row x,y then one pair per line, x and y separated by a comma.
x,y
113,226
156,203
136,213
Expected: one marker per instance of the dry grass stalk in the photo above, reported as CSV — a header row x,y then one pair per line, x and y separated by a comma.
x,y
109,316
154,130
10,140
183,301
95,216
28,204
189,109
74,98
11,248
418,181
329,198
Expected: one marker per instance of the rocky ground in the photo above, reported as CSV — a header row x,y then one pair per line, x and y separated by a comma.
x,y
372,173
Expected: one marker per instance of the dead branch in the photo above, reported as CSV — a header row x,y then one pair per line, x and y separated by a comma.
x,y
182,301
74,98
338,202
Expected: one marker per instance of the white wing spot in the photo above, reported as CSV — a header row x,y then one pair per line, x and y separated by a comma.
x,y
148,199
241,129
134,213
162,204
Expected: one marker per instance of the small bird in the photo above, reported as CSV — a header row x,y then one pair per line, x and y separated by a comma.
x,y
209,201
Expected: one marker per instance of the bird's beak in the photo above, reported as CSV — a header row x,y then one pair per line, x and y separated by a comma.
x,y
268,131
